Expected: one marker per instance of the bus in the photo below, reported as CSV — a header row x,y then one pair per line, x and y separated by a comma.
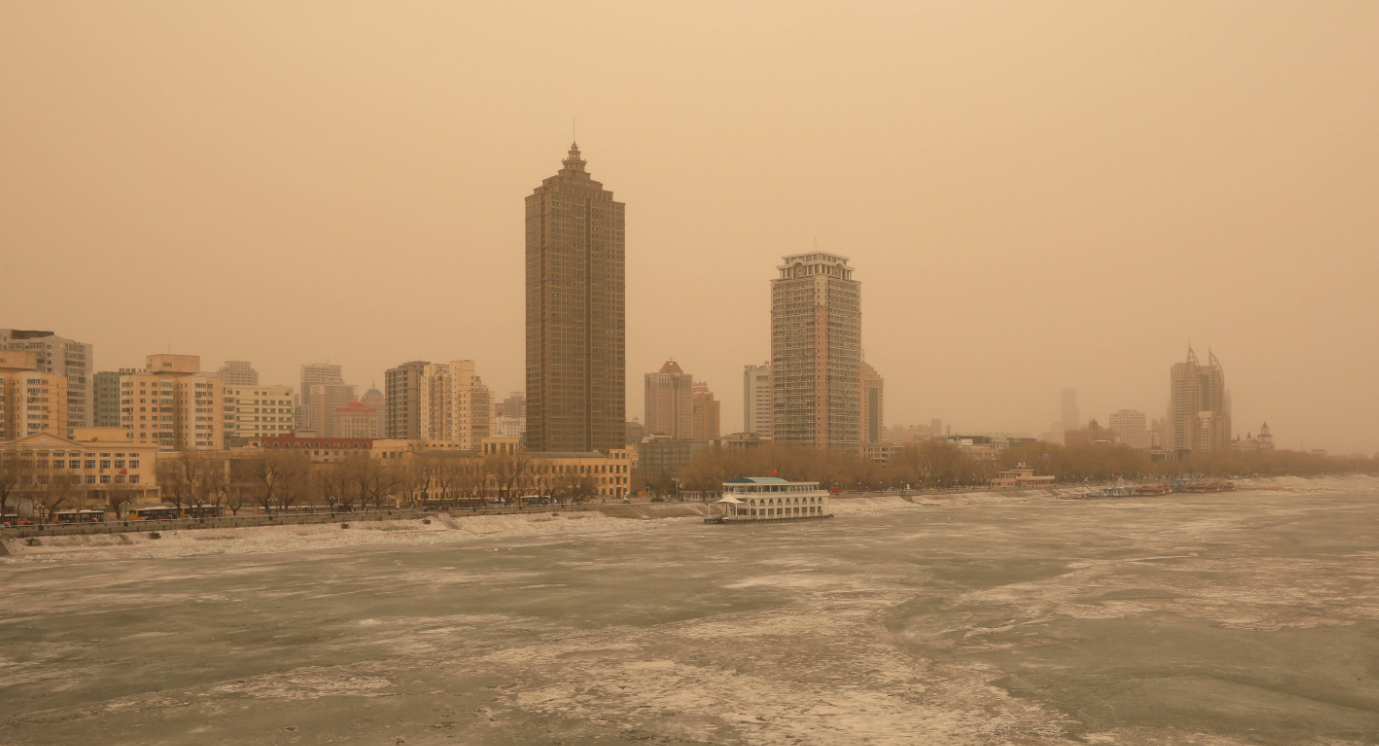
x,y
96,515
152,513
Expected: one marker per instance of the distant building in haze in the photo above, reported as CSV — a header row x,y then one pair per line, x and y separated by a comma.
x,y
357,420
872,407
669,395
238,373
313,374
1129,426
403,386
1071,417
635,432
74,361
513,406
705,416
757,392
325,399
1199,409
1265,441
816,352
576,296
1093,434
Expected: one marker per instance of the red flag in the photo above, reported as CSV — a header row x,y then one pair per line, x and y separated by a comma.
x,y
773,472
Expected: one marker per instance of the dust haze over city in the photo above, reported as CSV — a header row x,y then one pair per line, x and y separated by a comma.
x,y
1034,197
729,373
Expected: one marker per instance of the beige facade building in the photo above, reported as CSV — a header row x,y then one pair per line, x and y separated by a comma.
x,y
816,352
172,406
757,399
455,404
74,361
97,467
31,401
706,413
1199,408
872,406
576,296
253,412
669,402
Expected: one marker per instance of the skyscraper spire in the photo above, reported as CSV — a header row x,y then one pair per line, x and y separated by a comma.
x,y
574,162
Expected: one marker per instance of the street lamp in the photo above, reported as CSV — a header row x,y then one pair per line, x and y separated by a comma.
x,y
331,500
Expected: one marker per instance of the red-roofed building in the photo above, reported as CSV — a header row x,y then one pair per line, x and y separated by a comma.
x,y
320,449
358,420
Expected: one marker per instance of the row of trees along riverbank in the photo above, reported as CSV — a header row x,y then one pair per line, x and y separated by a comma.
x,y
941,463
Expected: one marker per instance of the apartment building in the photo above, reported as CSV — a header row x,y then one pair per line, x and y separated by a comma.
x,y
253,412
455,404
705,414
173,406
757,399
816,352
74,361
872,407
403,387
31,401
669,397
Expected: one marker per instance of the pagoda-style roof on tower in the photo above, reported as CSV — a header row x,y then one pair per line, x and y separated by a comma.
x,y
671,367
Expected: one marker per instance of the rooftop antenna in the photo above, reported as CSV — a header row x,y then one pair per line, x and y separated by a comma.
x,y
574,131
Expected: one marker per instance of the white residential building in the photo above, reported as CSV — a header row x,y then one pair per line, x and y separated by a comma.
x,y
253,412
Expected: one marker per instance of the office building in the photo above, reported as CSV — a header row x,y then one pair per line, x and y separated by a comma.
x,y
669,408
172,406
455,405
757,396
705,414
74,361
256,412
102,467
237,373
403,385
1130,428
575,298
660,455
1199,408
872,407
816,353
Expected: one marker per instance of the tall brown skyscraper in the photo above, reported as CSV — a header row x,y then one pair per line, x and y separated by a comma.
x,y
816,352
575,314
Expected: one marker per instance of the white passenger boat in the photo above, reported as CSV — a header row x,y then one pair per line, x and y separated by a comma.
x,y
771,499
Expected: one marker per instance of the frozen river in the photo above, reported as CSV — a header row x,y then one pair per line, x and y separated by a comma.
x,y
1247,618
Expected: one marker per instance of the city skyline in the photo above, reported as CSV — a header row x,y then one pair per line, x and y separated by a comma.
x,y
1037,194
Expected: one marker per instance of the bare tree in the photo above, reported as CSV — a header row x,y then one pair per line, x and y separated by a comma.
x,y
180,479
16,475
54,490
276,480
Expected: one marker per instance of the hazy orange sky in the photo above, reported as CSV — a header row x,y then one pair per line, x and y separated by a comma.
x,y
1034,195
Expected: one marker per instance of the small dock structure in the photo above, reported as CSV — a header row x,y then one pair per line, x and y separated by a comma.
x,y
765,499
